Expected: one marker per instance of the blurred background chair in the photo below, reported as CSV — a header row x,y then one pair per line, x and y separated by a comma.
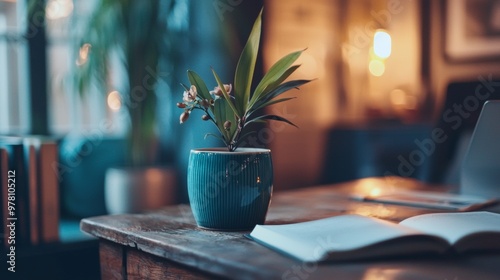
x,y
469,97
385,149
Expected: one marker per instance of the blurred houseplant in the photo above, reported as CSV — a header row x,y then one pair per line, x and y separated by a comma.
x,y
127,36
137,33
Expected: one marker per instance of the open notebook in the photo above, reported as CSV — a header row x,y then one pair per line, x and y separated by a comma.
x,y
350,237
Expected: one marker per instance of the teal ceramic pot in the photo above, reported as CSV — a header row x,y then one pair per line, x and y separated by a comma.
x,y
230,190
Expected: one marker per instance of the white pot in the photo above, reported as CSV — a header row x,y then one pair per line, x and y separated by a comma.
x,y
134,190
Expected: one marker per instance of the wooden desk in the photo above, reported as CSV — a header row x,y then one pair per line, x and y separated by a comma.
x,y
167,244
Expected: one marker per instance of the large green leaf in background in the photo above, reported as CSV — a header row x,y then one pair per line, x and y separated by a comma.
x,y
246,67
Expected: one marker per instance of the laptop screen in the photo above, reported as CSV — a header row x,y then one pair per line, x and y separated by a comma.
x,y
480,173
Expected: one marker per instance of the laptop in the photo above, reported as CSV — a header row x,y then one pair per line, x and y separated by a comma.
x,y
480,172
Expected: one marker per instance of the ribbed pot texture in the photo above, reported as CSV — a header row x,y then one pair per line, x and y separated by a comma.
x,y
230,190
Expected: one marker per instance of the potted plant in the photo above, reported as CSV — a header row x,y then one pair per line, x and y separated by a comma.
x,y
126,36
230,188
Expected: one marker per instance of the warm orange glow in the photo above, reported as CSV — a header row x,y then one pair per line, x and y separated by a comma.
x,y
309,64
377,67
375,210
411,102
383,273
375,192
400,98
382,44
379,52
114,101
153,176
83,54
84,51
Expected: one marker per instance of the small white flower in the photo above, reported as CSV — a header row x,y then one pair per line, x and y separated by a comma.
x,y
228,88
190,96
218,92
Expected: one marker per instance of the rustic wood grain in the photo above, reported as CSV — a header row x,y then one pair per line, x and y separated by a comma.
x,y
172,234
111,257
141,266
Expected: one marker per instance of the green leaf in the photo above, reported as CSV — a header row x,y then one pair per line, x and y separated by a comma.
x,y
272,102
280,80
222,113
230,116
276,71
246,66
220,117
271,117
200,85
276,92
243,137
226,95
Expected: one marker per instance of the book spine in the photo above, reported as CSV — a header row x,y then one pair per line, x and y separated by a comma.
x,y
36,199
33,195
49,192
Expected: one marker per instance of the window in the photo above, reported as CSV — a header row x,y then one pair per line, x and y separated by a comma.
x,y
65,111
13,68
